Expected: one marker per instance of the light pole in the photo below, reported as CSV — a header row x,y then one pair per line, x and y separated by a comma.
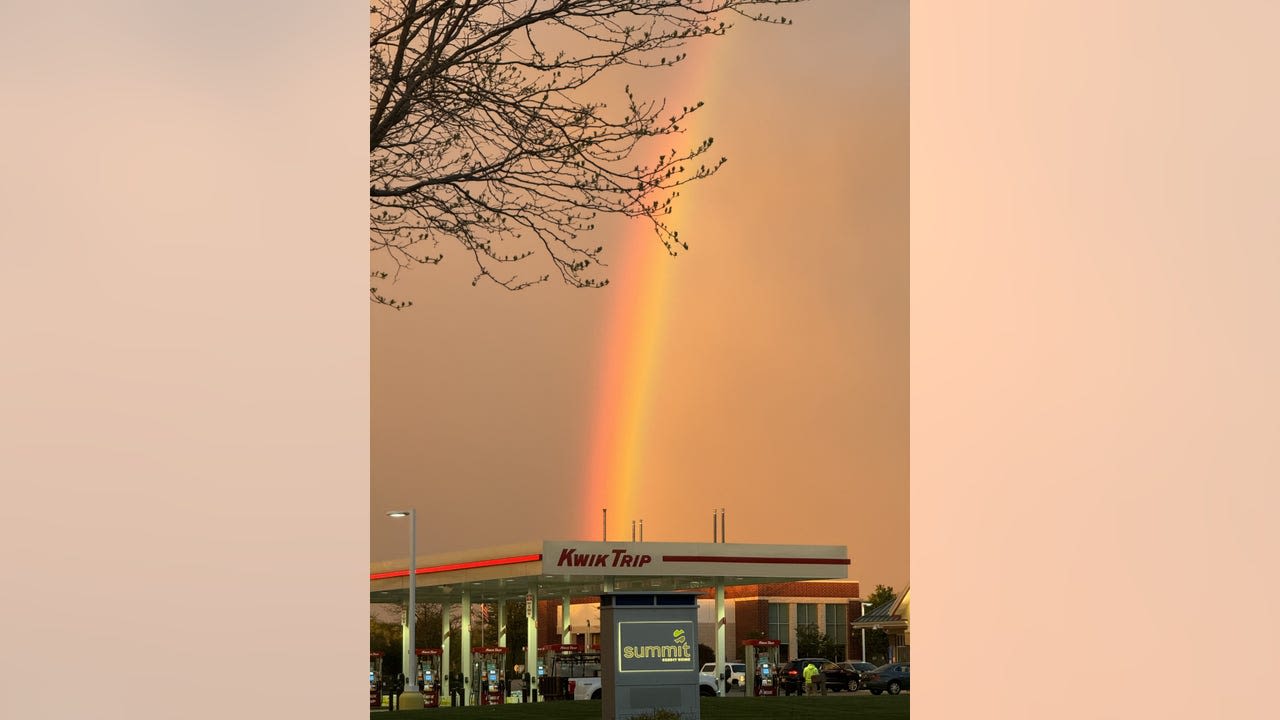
x,y
865,605
411,699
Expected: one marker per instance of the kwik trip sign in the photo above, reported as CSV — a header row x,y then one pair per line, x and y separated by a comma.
x,y
657,559
655,646
572,557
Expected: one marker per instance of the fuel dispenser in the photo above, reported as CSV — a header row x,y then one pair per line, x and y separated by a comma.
x,y
572,661
375,680
490,662
542,676
762,661
552,684
429,661
558,664
535,682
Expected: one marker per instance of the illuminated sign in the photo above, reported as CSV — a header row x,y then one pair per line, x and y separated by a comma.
x,y
615,557
655,646
655,559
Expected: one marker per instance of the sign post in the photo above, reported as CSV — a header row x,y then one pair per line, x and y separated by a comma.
x,y
649,654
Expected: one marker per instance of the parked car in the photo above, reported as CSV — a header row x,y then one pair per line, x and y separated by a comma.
x,y
737,679
858,669
893,678
791,675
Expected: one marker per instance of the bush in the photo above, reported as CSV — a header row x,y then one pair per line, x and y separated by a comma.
x,y
705,654
660,714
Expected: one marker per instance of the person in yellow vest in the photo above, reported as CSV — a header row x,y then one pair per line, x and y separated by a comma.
x,y
810,672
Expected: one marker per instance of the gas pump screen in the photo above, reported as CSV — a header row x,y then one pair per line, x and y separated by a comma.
x,y
764,670
493,676
541,671
660,645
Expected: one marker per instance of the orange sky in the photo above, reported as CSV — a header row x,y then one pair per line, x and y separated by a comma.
x,y
765,371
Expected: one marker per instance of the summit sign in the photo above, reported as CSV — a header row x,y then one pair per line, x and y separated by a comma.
x,y
655,646
649,654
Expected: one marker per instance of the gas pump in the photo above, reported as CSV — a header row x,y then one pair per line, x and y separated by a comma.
x,y
375,679
490,661
429,660
762,661
555,663
539,676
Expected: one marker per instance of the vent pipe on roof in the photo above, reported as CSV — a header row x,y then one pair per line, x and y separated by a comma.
x,y
722,538
713,525
633,531
641,529
604,524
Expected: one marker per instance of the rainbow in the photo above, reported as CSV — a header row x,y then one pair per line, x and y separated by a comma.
x,y
612,473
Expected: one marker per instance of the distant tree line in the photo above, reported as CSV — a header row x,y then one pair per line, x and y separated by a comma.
x,y
386,637
878,640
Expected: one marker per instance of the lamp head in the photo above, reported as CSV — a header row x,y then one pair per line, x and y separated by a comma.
x,y
399,513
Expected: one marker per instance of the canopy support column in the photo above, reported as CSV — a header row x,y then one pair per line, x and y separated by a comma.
x,y
467,679
566,607
721,660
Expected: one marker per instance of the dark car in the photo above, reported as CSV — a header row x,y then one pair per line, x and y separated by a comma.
x,y
858,669
791,675
894,678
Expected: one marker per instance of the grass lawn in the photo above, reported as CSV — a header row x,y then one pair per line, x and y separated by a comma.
x,y
841,706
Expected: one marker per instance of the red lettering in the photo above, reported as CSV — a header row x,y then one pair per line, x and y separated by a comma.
x,y
571,556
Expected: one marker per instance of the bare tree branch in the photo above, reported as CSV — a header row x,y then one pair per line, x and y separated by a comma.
x,y
484,130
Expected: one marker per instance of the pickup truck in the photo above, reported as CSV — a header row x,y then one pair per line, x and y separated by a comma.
x,y
589,688
738,676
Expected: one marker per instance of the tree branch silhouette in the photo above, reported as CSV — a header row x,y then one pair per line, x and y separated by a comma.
x,y
486,130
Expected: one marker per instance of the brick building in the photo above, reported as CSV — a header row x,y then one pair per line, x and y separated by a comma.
x,y
775,610
772,610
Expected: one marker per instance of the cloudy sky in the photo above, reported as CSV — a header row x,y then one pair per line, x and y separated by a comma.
x,y
765,371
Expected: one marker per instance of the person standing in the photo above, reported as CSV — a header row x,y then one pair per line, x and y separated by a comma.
x,y
396,690
810,672
455,688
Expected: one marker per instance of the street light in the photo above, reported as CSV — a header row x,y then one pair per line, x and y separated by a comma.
x,y
411,699
865,605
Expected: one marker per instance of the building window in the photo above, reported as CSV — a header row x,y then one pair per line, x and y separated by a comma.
x,y
806,614
837,629
780,628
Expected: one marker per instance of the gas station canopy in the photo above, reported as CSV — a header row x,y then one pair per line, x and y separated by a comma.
x,y
568,567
